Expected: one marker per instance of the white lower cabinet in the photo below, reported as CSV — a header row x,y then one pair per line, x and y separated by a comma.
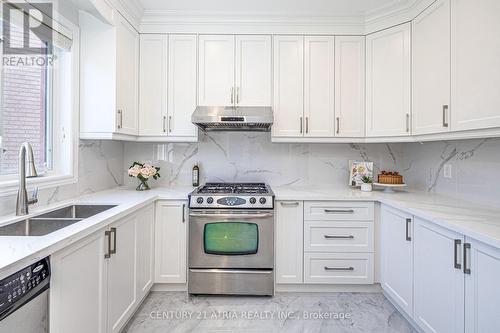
x,y
94,286
145,237
397,257
438,278
78,287
171,242
482,288
289,243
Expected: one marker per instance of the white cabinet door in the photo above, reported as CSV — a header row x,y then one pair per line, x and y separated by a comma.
x,y
475,64
181,85
216,70
145,251
78,287
288,86
127,77
319,89
289,242
170,242
153,84
121,273
438,278
431,69
350,86
253,70
482,290
397,257
388,82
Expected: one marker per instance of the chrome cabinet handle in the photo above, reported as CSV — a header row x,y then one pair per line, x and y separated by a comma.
x,y
120,119
408,236
338,237
170,124
238,95
338,125
232,95
407,122
338,268
307,125
289,204
183,213
301,125
113,231
164,124
107,234
457,247
339,211
466,262
445,115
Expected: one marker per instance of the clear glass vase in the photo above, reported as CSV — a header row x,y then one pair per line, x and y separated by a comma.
x,y
143,186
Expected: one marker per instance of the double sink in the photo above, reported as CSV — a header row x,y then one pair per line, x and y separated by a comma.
x,y
47,223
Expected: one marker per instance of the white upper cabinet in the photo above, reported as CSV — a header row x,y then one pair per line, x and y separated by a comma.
x,y
350,86
109,77
439,280
181,98
388,82
253,71
475,64
216,70
431,69
288,104
319,89
168,87
152,86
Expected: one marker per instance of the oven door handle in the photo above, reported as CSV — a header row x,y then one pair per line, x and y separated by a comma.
x,y
237,215
230,271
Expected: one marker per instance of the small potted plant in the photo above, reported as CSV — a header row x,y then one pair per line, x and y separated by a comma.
x,y
367,184
143,172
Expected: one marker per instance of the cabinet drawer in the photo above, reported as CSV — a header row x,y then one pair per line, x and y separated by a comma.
x,y
338,268
338,236
338,210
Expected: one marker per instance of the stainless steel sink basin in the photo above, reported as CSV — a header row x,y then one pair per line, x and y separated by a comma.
x,y
76,212
47,223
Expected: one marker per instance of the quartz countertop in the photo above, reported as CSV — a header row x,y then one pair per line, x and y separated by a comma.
x,y
473,220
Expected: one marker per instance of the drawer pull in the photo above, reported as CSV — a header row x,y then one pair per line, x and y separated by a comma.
x,y
339,211
339,268
289,204
338,237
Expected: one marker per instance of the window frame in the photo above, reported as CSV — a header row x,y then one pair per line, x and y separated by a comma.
x,y
65,125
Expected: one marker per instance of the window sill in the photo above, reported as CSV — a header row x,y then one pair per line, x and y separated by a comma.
x,y
10,187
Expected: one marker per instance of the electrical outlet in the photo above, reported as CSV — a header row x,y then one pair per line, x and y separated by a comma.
x,y
447,171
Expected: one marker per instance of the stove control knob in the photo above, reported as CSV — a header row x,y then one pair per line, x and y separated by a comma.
x,y
210,200
253,201
263,201
199,200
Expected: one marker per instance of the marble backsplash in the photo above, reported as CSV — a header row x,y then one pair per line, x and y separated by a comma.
x,y
474,168
251,157
100,167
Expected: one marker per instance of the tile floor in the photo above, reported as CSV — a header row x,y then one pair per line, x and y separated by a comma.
x,y
176,312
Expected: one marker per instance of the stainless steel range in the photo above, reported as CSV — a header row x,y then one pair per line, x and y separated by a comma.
x,y
231,239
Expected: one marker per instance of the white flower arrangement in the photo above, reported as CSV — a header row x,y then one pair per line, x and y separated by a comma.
x,y
143,172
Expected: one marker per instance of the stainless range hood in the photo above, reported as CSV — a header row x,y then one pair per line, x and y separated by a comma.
x,y
226,118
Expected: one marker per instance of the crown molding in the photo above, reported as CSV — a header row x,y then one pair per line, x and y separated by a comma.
x,y
132,10
353,23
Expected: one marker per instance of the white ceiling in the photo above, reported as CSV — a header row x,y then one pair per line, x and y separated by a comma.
x,y
281,7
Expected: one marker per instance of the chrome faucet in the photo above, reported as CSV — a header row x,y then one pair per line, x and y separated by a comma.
x,y
22,197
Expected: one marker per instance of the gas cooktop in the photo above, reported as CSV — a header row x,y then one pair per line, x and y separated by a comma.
x,y
232,195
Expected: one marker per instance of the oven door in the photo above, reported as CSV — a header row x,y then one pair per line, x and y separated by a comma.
x,y
231,239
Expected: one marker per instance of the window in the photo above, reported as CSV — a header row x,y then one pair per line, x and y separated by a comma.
x,y
25,113
38,96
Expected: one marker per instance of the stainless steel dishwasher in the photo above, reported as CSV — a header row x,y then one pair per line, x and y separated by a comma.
x,y
24,299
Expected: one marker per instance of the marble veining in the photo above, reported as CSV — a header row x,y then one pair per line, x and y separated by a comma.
x,y
285,312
